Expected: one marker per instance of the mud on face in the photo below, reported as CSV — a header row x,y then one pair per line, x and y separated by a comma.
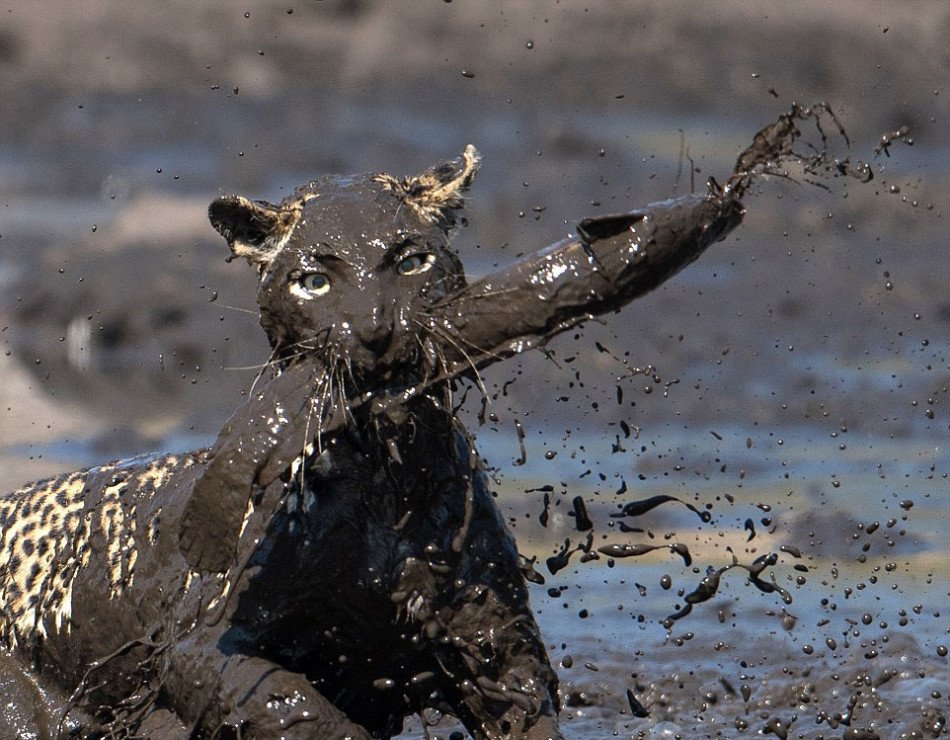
x,y
349,265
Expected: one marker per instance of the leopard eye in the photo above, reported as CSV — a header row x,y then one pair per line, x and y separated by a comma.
x,y
415,264
315,283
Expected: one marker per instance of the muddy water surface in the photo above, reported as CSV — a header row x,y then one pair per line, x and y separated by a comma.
x,y
861,650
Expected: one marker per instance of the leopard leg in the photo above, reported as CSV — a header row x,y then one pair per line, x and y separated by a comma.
x,y
25,710
497,660
250,696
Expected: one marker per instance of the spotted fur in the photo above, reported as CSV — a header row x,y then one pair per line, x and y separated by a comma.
x,y
47,530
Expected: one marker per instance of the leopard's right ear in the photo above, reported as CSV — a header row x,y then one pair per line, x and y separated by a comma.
x,y
255,230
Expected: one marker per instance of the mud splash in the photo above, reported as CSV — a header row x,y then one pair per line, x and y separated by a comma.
x,y
614,260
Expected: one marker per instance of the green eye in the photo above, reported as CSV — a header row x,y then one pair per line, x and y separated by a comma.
x,y
415,264
315,283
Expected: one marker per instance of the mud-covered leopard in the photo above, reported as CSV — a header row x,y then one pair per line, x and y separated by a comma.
x,y
335,562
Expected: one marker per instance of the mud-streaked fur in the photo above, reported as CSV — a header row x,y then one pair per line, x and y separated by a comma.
x,y
100,597
437,191
47,530
267,229
336,561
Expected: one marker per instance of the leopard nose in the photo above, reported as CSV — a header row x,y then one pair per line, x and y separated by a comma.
x,y
376,333
377,337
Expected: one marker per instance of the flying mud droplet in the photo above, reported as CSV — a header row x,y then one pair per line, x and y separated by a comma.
x,y
774,144
524,455
632,551
560,560
788,621
709,585
749,526
902,135
637,508
582,521
636,708
528,571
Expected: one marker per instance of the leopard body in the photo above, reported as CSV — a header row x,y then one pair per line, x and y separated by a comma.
x,y
369,576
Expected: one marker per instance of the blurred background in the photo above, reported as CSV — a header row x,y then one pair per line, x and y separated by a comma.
x,y
800,390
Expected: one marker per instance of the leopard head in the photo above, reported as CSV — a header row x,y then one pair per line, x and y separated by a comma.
x,y
349,265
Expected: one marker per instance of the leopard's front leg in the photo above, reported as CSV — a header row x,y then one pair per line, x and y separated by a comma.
x,y
508,686
217,688
26,710
496,675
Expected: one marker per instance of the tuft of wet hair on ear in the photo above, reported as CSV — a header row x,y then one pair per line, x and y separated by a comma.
x,y
436,194
255,230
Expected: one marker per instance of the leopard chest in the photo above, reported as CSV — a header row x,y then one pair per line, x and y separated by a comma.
x,y
348,560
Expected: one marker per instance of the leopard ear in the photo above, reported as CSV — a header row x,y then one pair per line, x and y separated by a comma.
x,y
436,194
255,230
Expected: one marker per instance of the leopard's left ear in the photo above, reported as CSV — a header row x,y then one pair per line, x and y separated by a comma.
x,y
255,230
436,194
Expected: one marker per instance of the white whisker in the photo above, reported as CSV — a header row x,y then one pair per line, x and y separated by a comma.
x,y
256,314
445,334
